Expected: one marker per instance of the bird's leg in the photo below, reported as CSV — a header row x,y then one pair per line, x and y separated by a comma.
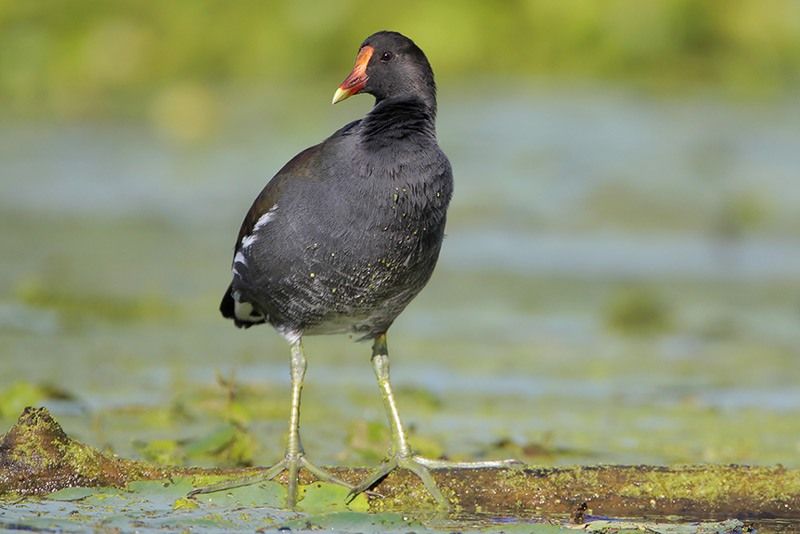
x,y
380,363
400,454
294,448
294,458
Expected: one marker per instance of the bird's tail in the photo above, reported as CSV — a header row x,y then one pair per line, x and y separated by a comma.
x,y
228,307
244,314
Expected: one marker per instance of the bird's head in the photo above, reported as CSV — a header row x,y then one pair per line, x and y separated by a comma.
x,y
389,65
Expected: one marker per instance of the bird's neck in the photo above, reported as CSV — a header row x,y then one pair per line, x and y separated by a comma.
x,y
399,118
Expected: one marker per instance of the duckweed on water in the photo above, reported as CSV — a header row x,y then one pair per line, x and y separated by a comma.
x,y
161,503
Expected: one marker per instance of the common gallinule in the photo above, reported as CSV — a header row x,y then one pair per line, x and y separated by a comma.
x,y
347,233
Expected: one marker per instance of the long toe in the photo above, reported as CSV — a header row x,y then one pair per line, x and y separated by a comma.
x,y
226,485
323,474
409,463
484,464
424,474
373,478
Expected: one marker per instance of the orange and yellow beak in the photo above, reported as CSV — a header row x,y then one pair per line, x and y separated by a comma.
x,y
357,78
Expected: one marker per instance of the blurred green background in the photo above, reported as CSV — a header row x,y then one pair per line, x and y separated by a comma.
x,y
100,59
621,278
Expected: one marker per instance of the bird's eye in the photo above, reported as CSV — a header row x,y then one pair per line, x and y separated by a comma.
x,y
387,56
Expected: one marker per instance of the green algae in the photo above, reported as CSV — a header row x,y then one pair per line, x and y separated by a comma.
x,y
36,451
38,457
517,492
713,484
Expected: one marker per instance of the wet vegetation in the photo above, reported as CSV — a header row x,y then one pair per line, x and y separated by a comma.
x,y
37,458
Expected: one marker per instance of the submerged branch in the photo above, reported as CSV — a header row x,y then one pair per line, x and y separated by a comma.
x,y
37,457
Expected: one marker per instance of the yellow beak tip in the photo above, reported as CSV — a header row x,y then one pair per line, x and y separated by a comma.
x,y
340,95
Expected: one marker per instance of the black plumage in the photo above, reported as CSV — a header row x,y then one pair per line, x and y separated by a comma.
x,y
356,222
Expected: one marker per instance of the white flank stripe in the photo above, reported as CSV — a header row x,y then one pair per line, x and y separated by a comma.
x,y
267,217
239,258
249,239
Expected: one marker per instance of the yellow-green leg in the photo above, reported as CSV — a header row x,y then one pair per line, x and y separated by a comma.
x,y
295,457
400,454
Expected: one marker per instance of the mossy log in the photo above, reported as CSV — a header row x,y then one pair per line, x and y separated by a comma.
x,y
37,457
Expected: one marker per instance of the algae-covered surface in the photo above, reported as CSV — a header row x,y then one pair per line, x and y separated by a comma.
x,y
619,285
37,458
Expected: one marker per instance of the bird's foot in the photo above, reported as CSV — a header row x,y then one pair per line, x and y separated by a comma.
x,y
422,467
416,464
292,464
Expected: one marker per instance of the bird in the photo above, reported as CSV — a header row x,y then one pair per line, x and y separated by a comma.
x,y
346,234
